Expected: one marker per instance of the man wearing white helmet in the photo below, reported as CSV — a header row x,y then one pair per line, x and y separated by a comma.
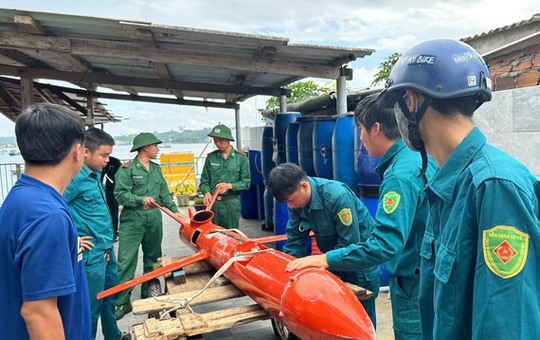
x,y
481,251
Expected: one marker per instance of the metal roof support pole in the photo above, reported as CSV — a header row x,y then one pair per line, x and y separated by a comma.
x,y
90,105
341,93
283,100
27,91
237,120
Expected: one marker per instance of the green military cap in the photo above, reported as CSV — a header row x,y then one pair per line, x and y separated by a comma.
x,y
221,131
144,139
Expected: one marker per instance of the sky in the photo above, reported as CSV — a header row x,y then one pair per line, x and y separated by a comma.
x,y
384,25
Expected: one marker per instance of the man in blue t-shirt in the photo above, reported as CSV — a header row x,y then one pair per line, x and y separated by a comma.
x,y
86,200
41,269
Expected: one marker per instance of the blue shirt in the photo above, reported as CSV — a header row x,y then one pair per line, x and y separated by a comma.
x,y
86,200
40,258
480,268
401,217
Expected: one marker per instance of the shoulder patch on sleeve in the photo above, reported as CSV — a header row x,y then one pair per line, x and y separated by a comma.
x,y
505,250
345,216
390,201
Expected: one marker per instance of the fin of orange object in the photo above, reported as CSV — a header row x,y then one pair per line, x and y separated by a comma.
x,y
186,261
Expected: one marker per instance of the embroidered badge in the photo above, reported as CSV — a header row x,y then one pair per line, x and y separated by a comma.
x,y
505,250
217,130
345,216
390,201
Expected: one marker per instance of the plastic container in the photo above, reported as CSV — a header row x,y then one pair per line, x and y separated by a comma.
x,y
322,146
291,143
281,123
343,151
305,144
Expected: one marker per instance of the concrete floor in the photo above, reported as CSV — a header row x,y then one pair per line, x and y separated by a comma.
x,y
259,330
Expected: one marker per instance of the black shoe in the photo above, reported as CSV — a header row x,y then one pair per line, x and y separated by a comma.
x,y
122,310
125,336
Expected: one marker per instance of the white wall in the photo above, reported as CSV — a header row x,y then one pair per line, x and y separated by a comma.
x,y
511,122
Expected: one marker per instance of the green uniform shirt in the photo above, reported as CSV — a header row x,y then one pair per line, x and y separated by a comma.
x,y
480,254
86,200
336,217
134,182
401,217
234,169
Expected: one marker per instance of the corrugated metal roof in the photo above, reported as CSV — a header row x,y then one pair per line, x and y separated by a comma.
x,y
533,19
142,57
11,101
508,39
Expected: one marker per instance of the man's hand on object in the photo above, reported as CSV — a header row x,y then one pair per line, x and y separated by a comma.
x,y
85,243
147,202
224,187
207,199
308,261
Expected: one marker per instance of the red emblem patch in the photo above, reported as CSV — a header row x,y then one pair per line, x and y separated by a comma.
x,y
505,252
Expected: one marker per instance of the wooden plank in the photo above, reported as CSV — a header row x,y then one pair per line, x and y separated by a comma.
x,y
194,323
110,79
161,303
153,329
361,293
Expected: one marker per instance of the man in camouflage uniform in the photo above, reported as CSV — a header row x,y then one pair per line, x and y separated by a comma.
x,y
138,184
227,170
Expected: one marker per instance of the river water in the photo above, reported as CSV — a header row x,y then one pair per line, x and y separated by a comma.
x,y
122,151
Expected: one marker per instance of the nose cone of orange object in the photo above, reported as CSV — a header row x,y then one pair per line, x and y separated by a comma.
x,y
317,305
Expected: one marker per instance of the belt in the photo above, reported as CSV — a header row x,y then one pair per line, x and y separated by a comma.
x,y
226,198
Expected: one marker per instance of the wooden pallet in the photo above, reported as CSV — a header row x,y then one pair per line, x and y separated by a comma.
x,y
189,325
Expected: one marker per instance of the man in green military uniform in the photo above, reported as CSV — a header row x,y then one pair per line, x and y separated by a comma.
x,y
138,184
480,253
225,170
335,215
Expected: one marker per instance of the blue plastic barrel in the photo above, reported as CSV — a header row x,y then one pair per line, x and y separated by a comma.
x,y
365,164
322,146
305,144
267,164
255,166
248,202
281,123
268,209
385,275
368,180
252,202
369,195
281,218
343,151
291,142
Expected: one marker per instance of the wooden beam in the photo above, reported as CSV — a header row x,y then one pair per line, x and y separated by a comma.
x,y
36,42
9,99
133,51
79,77
28,24
27,92
161,100
22,58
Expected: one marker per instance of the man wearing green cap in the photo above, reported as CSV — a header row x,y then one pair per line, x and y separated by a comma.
x,y
138,184
227,170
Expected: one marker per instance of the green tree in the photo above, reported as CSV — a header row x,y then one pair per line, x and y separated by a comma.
x,y
300,91
384,68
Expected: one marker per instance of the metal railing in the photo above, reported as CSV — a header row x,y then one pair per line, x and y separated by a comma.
x,y
10,172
